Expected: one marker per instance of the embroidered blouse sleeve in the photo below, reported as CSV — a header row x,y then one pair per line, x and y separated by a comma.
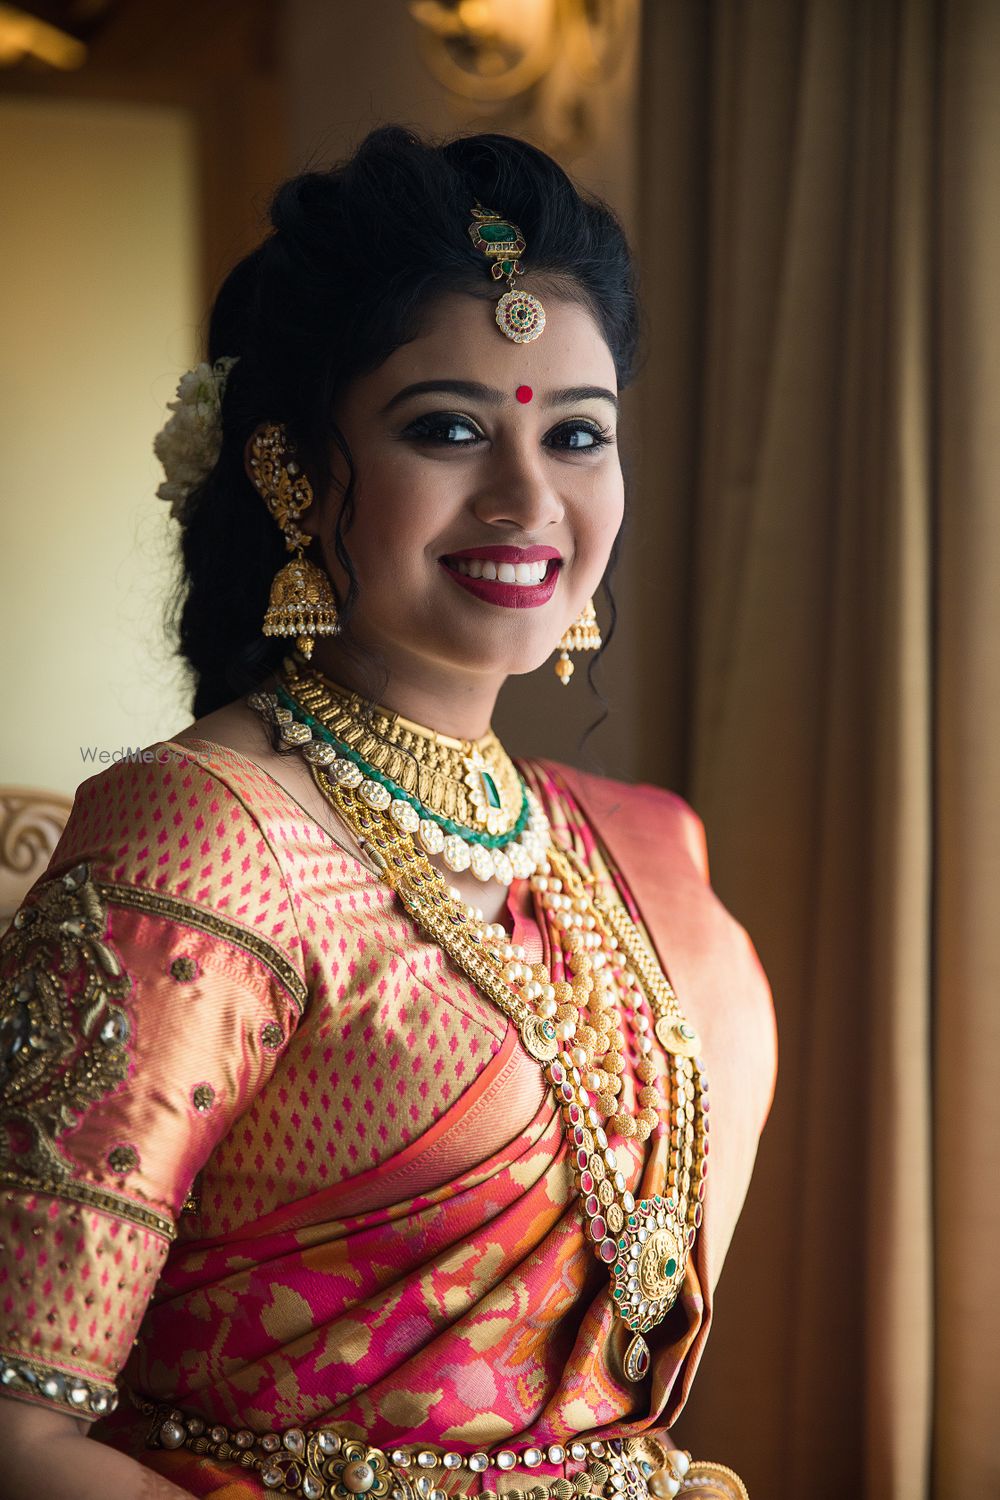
x,y
147,988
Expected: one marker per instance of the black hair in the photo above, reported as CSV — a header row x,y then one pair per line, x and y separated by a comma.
x,y
355,256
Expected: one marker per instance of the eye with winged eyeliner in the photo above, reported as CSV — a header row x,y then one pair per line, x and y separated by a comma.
x,y
433,428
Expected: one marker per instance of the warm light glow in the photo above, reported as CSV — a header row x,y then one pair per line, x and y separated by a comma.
x,y
495,51
22,35
487,49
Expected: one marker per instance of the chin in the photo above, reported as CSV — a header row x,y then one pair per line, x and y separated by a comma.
x,y
526,665
487,660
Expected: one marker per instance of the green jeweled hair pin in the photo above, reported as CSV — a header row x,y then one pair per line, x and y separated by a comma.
x,y
519,315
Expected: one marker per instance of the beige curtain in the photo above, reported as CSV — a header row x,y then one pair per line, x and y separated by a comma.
x,y
819,596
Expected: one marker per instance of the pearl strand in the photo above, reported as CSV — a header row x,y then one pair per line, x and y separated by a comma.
x,y
601,1046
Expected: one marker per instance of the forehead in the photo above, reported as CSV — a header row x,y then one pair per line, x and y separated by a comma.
x,y
460,340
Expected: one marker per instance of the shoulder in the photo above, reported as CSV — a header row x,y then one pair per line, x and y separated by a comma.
x,y
180,811
166,815
622,810
186,835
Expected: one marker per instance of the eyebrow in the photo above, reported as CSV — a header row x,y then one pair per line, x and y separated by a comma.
x,y
473,390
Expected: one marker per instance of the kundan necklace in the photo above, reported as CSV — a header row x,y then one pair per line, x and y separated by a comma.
x,y
568,1013
462,799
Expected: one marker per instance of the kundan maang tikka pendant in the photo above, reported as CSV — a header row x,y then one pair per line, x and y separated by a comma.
x,y
519,315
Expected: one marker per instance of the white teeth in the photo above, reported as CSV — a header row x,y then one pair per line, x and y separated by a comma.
x,y
527,575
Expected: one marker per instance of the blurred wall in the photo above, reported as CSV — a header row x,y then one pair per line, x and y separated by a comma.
x,y
98,308
138,181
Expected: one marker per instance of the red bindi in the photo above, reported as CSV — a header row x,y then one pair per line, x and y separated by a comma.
x,y
524,394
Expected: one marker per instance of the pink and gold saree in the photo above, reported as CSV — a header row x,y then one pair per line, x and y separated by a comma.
x,y
274,1166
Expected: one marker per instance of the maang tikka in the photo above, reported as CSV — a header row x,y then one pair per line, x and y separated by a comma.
x,y
519,315
301,602
583,635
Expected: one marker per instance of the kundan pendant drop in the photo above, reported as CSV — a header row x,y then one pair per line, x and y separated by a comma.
x,y
636,1361
519,315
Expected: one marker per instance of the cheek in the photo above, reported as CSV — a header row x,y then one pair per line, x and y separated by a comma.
x,y
599,515
399,510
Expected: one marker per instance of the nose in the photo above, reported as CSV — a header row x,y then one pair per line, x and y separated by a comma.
x,y
516,491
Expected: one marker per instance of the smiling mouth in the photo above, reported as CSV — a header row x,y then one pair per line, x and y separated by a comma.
x,y
526,575
505,581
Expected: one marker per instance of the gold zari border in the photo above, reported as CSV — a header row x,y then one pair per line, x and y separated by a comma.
x,y
92,1197
183,911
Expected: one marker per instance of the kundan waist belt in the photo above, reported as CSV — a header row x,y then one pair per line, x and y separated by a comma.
x,y
324,1463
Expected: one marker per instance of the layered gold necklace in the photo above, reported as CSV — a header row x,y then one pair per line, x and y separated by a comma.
x,y
573,1025
462,800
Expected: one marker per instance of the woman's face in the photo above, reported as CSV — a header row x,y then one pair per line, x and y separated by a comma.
x,y
474,456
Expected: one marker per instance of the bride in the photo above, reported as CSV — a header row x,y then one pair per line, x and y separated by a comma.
x,y
377,1108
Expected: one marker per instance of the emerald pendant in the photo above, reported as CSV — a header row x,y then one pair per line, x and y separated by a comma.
x,y
490,790
497,234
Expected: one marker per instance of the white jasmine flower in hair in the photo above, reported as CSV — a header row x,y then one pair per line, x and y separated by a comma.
x,y
188,446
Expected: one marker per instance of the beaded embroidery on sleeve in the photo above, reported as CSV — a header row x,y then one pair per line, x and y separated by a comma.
x,y
63,1046
88,1218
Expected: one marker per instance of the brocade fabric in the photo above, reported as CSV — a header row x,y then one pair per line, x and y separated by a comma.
x,y
320,1180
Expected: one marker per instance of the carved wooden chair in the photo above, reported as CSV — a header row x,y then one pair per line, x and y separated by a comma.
x,y
31,822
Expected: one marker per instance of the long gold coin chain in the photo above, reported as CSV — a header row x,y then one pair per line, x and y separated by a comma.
x,y
572,1028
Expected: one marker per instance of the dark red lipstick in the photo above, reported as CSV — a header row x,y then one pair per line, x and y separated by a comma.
x,y
507,595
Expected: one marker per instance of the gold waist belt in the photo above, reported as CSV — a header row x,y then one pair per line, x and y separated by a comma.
x,y
324,1463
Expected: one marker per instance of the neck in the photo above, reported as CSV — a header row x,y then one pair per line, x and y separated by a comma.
x,y
457,704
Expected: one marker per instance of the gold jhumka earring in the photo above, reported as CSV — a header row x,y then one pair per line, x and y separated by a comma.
x,y
301,602
583,635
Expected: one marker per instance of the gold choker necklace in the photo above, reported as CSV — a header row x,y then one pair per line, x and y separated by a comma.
x,y
461,799
472,782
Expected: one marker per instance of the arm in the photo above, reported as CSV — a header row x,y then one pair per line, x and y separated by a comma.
x,y
139,1016
47,1453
